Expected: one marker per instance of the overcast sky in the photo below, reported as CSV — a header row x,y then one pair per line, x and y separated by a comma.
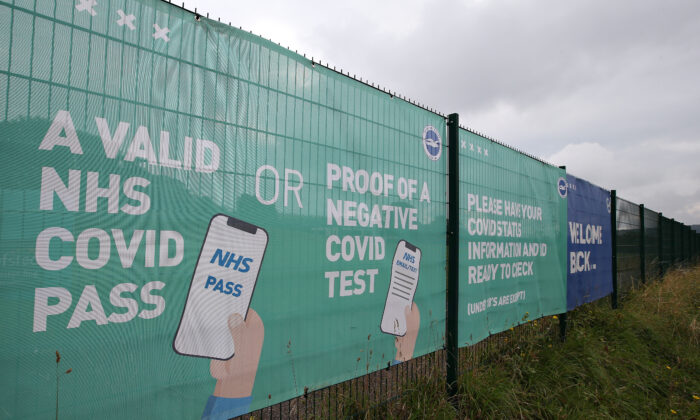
x,y
611,89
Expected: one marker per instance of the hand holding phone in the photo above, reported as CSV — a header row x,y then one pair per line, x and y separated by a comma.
x,y
406,344
222,285
235,377
405,268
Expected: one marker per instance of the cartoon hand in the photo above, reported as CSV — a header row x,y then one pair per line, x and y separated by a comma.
x,y
406,344
236,376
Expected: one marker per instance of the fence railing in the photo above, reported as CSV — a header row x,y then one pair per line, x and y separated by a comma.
x,y
151,158
648,246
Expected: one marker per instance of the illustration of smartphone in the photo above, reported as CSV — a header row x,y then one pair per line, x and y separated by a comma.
x,y
222,284
405,268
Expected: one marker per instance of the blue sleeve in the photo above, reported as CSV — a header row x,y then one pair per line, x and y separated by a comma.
x,y
220,408
395,362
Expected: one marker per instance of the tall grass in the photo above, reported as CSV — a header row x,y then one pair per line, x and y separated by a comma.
x,y
639,361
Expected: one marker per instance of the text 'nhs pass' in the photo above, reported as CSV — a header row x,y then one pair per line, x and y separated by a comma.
x,y
230,260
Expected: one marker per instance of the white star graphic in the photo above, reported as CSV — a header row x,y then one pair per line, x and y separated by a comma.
x,y
161,33
471,147
125,19
464,144
87,6
479,149
486,152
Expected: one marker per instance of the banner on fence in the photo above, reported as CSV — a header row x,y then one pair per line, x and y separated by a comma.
x,y
512,238
199,222
589,242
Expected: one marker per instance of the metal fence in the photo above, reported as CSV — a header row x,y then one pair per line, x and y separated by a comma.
x,y
648,245
629,237
353,398
651,250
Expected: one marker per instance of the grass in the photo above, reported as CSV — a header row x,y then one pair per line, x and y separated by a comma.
x,y
639,361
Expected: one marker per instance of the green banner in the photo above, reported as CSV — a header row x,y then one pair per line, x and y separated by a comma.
x,y
199,222
512,238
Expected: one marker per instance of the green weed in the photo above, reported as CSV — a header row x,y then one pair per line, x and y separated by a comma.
x,y
639,361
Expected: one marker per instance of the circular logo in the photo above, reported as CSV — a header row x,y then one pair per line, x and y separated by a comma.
x,y
561,187
432,143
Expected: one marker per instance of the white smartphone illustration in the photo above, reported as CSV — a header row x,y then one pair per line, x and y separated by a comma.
x,y
405,268
222,284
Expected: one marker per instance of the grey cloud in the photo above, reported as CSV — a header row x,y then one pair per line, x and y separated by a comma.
x,y
669,173
538,76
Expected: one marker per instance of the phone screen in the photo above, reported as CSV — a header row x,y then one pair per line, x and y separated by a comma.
x,y
222,284
405,268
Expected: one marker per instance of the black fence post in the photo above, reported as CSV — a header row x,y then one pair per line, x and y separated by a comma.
x,y
661,245
562,326
691,242
681,239
679,242
642,246
562,316
673,242
613,231
452,357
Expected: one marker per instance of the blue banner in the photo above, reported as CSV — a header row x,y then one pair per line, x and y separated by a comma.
x,y
589,243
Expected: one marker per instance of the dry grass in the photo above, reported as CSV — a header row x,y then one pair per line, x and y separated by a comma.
x,y
640,361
